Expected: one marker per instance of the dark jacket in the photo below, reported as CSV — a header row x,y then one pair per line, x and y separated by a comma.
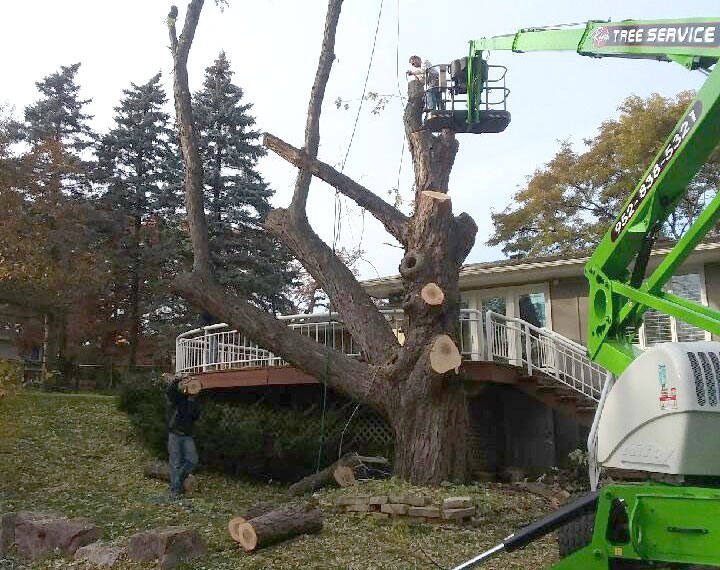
x,y
182,411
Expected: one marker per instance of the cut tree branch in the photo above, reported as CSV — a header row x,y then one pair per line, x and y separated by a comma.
x,y
312,126
364,322
329,366
188,138
466,229
395,222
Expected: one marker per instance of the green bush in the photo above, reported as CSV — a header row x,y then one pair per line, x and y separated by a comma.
x,y
11,374
260,439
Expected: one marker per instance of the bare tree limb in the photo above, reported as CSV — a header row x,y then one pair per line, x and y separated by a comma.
x,y
367,326
188,137
312,126
466,229
394,220
336,369
364,322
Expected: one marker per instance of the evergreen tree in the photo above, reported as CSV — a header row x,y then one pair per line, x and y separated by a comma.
x,y
58,130
140,164
53,187
244,257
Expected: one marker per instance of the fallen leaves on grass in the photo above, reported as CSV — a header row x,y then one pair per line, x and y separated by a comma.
x,y
74,455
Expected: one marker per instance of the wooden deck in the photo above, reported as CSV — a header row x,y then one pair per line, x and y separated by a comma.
x,y
544,389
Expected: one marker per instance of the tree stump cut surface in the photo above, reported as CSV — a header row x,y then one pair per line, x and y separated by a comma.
x,y
278,525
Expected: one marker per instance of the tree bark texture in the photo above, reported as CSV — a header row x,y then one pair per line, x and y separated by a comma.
x,y
188,137
278,525
427,411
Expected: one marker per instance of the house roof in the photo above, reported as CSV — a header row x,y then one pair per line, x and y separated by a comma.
x,y
532,270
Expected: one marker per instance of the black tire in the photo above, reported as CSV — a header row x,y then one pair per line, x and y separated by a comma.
x,y
575,534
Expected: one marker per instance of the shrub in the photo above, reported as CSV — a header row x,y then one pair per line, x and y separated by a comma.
x,y
259,438
11,375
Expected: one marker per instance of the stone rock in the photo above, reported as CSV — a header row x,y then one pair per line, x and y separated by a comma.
x,y
38,534
415,500
99,554
458,514
353,500
427,512
457,503
168,546
7,531
358,508
394,508
378,500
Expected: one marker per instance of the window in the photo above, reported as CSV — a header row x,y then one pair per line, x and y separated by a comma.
x,y
532,308
659,327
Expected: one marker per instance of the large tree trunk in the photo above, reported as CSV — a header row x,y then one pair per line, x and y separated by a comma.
x,y
427,410
424,403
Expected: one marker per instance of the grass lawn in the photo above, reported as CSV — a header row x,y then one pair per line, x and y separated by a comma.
x,y
76,455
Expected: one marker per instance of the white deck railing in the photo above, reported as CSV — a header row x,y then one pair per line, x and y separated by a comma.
x,y
513,341
519,343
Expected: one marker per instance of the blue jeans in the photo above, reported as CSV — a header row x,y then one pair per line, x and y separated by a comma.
x,y
182,457
432,99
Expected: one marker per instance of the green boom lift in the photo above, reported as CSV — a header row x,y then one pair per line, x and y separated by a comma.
x,y
660,409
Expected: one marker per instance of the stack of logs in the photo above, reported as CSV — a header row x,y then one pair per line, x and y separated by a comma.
x,y
408,507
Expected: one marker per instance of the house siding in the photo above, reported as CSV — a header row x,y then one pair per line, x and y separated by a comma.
x,y
568,304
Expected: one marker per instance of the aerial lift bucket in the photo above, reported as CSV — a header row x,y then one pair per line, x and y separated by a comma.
x,y
471,100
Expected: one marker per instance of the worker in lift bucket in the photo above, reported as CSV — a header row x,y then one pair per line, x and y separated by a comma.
x,y
429,77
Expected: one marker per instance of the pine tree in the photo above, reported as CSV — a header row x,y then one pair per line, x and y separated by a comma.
x,y
58,130
60,217
244,257
140,164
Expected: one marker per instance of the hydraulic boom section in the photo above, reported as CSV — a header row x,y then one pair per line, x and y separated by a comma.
x,y
620,292
662,415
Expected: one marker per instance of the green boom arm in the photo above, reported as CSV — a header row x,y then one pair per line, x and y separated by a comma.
x,y
619,289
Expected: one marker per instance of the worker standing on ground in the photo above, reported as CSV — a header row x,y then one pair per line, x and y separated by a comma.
x,y
427,75
183,410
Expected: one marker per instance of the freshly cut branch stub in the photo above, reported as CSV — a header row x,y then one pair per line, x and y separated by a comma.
x,y
344,475
255,510
436,195
278,525
444,355
432,294
234,527
327,476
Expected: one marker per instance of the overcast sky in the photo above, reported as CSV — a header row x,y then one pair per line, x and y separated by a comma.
x,y
273,47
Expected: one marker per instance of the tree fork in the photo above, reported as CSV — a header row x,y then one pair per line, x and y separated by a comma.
x,y
365,323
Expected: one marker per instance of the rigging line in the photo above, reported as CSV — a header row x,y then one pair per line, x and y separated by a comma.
x,y
342,435
397,80
397,54
337,227
367,76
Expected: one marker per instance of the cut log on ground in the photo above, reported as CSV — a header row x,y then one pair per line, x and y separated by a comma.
x,y
327,476
255,511
344,476
278,525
